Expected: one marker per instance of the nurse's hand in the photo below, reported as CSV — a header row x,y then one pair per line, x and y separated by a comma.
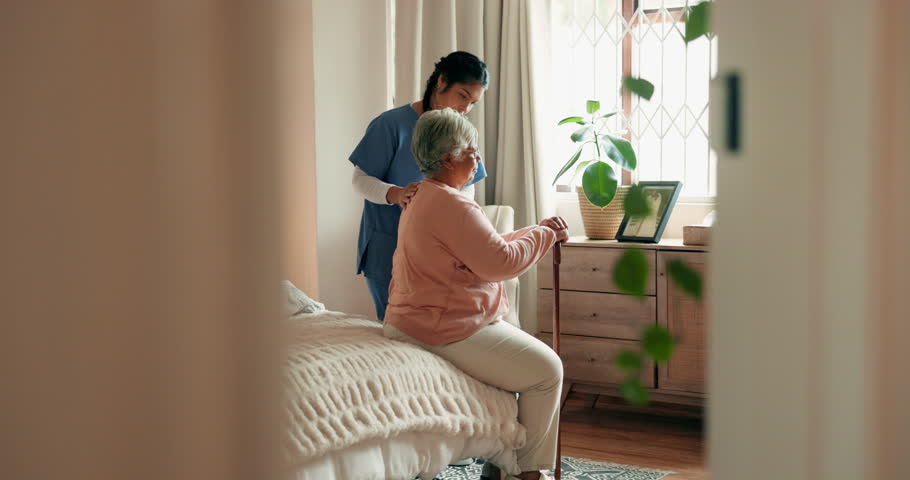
x,y
402,195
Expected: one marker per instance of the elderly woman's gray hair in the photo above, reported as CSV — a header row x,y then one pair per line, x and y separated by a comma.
x,y
439,132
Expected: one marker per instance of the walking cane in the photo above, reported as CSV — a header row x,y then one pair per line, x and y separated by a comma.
x,y
557,253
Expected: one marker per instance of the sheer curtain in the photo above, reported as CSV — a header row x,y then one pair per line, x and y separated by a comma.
x,y
512,115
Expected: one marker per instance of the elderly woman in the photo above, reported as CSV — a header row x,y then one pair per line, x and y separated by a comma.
x,y
446,293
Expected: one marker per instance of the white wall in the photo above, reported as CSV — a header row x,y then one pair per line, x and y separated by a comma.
x,y
351,88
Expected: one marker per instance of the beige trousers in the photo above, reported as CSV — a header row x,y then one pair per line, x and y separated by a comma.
x,y
507,357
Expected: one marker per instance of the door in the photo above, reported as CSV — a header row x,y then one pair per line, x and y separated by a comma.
x,y
804,303
684,317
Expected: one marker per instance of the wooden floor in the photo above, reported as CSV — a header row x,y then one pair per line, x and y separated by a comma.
x,y
662,436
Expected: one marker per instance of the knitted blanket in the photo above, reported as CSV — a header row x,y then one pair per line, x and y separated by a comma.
x,y
346,383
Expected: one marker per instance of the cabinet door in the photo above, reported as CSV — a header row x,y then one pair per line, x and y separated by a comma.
x,y
684,317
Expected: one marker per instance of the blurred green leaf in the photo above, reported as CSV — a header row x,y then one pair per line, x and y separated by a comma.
x,y
631,272
635,205
685,277
607,115
634,392
569,164
600,183
638,86
593,106
628,360
582,134
698,21
577,120
626,158
657,342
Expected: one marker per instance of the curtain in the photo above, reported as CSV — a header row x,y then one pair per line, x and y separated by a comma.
x,y
512,38
427,30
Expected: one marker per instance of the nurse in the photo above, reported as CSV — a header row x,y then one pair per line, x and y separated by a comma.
x,y
386,174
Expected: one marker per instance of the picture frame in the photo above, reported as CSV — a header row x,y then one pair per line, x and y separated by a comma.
x,y
662,197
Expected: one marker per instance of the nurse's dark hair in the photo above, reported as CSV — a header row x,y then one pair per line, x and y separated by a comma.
x,y
456,67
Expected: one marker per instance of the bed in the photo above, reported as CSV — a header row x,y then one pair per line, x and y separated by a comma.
x,y
360,406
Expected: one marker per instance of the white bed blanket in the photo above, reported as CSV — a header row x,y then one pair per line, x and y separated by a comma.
x,y
347,384
403,457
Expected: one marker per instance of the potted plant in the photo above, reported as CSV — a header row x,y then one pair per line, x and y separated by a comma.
x,y
600,195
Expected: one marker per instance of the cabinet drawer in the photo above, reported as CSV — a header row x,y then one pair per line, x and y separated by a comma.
x,y
590,269
588,359
597,314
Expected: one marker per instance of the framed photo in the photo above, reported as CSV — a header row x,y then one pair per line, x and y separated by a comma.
x,y
661,197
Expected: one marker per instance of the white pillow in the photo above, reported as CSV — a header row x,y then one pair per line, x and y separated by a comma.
x,y
298,302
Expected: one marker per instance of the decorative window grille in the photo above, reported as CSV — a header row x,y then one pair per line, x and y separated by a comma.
x,y
596,43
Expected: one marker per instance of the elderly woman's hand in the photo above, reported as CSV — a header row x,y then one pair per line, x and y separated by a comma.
x,y
402,195
556,223
559,225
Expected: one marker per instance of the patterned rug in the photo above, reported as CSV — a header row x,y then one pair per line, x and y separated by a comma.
x,y
572,469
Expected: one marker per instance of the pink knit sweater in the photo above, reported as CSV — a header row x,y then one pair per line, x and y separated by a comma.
x,y
449,265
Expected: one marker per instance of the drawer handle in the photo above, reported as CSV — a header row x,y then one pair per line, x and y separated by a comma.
x,y
594,315
594,269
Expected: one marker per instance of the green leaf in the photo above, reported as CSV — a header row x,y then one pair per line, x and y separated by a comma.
x,y
698,21
635,205
599,183
628,360
631,272
638,86
579,169
593,106
608,115
577,120
623,154
582,134
608,149
685,277
569,164
634,392
657,343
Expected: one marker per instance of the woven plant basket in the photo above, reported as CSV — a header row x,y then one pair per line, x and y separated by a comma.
x,y
602,224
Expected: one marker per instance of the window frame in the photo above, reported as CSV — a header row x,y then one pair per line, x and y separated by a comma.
x,y
628,8
628,14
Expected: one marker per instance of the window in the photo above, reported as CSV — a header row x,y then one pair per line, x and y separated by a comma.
x,y
596,43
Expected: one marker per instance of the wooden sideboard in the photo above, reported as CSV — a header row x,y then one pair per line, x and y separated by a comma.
x,y
598,321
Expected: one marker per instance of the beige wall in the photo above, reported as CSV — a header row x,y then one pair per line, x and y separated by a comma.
x,y
139,244
890,310
298,144
350,90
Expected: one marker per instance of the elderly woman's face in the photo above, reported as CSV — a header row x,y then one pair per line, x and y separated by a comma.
x,y
465,165
460,97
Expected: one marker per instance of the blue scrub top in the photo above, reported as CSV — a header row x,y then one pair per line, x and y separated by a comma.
x,y
384,152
